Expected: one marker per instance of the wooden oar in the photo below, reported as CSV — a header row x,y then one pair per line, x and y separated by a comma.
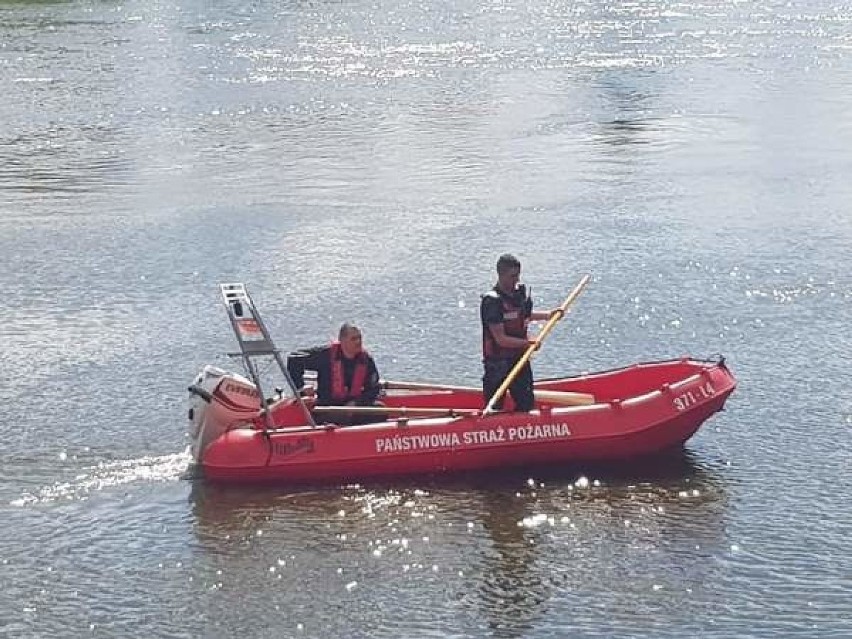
x,y
395,410
392,385
559,398
563,398
489,407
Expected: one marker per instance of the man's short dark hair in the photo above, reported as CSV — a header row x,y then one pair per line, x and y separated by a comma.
x,y
506,262
345,329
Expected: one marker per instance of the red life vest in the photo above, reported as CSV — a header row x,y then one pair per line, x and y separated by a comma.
x,y
515,321
339,391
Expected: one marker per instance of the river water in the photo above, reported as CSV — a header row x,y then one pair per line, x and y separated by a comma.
x,y
369,161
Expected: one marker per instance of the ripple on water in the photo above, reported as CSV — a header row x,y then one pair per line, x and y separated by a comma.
x,y
109,474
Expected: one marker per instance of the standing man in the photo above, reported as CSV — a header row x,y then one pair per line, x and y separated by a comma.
x,y
346,373
506,311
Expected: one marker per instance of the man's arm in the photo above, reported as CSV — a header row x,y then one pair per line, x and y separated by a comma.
x,y
299,361
492,316
372,387
540,316
498,331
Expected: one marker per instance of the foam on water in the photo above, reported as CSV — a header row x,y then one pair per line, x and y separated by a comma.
x,y
109,474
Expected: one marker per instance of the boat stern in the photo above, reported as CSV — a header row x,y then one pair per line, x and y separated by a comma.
x,y
219,401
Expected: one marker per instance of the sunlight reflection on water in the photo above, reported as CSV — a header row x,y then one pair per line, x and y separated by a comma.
x,y
369,162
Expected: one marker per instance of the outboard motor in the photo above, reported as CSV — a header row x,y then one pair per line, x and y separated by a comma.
x,y
219,401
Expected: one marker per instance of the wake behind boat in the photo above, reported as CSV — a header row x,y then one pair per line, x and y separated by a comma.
x,y
608,416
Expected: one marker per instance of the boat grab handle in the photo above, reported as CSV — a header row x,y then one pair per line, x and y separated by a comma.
x,y
203,394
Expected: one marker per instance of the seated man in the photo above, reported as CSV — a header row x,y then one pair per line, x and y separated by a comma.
x,y
346,376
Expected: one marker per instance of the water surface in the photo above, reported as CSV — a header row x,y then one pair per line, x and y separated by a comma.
x,y
369,161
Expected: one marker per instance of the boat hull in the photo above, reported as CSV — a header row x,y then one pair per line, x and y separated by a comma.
x,y
640,411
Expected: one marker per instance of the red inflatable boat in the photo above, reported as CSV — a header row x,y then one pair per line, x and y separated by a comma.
x,y
614,415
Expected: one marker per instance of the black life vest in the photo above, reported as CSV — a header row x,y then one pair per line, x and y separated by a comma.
x,y
517,308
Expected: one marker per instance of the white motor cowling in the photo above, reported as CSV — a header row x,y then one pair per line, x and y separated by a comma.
x,y
219,401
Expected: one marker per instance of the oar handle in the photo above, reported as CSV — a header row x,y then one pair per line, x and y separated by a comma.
x,y
560,398
395,410
489,407
420,386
